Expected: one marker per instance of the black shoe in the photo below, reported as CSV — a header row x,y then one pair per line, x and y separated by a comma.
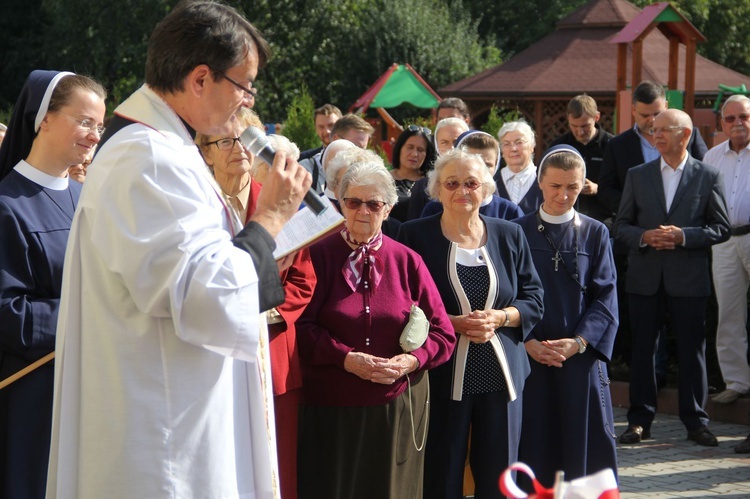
x,y
703,436
744,447
634,434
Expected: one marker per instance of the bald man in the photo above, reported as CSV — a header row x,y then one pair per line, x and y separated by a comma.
x,y
672,211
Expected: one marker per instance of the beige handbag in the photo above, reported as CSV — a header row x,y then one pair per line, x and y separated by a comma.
x,y
415,333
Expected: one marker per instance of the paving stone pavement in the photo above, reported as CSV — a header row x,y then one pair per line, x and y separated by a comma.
x,y
670,465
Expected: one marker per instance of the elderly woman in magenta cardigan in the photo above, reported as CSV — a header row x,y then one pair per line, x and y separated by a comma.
x,y
365,414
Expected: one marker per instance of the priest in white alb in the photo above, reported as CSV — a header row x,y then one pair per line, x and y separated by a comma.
x,y
159,387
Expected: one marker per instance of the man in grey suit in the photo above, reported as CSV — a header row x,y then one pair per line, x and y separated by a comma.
x,y
672,211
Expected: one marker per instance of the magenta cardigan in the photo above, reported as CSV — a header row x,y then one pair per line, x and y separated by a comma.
x,y
335,323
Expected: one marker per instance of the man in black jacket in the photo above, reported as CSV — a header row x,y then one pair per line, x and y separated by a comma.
x,y
588,137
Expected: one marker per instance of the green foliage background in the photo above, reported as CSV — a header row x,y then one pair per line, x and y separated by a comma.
x,y
300,126
337,48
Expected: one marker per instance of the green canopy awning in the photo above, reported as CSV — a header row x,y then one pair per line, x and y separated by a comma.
x,y
398,85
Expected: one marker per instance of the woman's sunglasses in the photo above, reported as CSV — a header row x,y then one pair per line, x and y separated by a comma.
x,y
471,185
372,205
417,128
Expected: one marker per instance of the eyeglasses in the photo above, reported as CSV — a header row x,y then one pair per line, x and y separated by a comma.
x,y
252,92
518,144
470,185
665,129
417,128
372,205
743,117
86,124
225,144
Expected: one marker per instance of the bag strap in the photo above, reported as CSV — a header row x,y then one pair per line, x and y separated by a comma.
x,y
411,415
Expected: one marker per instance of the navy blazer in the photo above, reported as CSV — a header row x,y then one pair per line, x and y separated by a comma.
x,y
511,258
622,153
698,208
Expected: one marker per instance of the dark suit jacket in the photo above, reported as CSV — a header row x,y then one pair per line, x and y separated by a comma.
x,y
698,209
622,153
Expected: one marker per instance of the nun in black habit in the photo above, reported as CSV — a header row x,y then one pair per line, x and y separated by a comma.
x,y
568,423
57,122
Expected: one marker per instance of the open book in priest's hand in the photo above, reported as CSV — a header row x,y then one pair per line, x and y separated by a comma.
x,y
306,228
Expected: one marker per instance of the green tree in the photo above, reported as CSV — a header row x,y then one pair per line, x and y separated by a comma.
x,y
22,28
339,48
497,119
300,126
513,26
106,40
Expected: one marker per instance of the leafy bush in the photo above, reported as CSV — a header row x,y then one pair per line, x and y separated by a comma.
x,y
496,120
300,124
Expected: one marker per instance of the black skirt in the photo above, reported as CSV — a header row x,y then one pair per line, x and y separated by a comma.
x,y
364,452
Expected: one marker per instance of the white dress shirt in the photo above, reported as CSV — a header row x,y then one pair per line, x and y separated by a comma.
x,y
671,179
518,184
735,167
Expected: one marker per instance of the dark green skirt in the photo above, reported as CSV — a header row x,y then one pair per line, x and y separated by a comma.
x,y
363,452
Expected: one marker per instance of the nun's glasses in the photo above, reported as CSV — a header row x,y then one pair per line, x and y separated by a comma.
x,y
86,124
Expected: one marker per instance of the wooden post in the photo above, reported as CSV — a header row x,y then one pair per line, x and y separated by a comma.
x,y
637,63
539,129
389,119
622,67
674,61
690,48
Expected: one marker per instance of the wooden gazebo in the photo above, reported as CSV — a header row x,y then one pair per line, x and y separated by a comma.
x,y
579,57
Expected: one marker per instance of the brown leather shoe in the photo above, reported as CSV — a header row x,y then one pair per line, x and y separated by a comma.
x,y
744,447
634,434
703,436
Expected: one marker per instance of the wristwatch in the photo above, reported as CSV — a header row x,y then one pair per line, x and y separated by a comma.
x,y
581,344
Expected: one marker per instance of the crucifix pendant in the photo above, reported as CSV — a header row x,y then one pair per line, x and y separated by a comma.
x,y
557,259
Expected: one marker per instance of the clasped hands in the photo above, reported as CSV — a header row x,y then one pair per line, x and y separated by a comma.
x,y
664,237
379,369
478,326
552,352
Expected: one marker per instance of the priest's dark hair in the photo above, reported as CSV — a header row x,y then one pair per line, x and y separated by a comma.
x,y
200,32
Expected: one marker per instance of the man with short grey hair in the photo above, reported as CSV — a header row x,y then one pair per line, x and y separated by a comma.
x,y
731,260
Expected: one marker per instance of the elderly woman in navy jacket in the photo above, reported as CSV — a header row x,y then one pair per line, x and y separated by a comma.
x,y
483,270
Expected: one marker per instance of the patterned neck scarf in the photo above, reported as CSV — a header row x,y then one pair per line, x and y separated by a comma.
x,y
365,256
